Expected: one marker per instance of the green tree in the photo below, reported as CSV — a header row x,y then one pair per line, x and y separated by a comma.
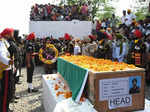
x,y
100,8
140,14
96,6
142,11
106,12
140,8
74,2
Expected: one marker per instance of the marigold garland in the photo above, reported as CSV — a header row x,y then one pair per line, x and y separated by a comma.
x,y
98,65
41,54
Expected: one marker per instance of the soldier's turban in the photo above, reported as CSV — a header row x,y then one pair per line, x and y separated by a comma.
x,y
7,31
31,36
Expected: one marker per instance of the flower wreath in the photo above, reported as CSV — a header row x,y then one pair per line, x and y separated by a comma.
x,y
44,60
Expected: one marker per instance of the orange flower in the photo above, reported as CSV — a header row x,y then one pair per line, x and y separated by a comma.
x,y
67,94
58,93
56,87
82,99
64,87
68,54
98,65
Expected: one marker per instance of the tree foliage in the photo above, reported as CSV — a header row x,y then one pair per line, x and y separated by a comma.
x,y
96,5
141,12
106,12
100,8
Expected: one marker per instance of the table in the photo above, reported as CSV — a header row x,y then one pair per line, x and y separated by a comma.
x,y
147,106
70,106
49,98
53,103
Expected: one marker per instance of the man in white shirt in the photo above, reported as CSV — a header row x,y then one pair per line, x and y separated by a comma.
x,y
129,18
6,72
123,18
77,49
119,48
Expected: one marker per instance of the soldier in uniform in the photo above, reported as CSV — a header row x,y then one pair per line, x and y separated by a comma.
x,y
30,61
103,46
14,54
17,55
138,51
5,71
37,48
21,56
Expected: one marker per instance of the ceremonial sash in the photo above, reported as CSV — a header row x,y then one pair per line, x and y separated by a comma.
x,y
3,66
137,59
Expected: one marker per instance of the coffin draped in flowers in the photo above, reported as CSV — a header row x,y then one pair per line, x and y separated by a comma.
x,y
98,65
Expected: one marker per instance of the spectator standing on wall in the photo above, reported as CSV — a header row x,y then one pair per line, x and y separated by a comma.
x,y
123,18
129,18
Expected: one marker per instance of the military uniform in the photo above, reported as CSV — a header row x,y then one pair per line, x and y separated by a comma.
x,y
30,70
20,59
14,54
137,52
30,64
103,50
37,48
6,72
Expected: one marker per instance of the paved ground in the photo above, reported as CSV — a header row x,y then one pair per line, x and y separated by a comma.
x,y
29,102
32,102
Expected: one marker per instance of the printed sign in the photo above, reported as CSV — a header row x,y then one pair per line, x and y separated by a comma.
x,y
119,87
120,101
113,87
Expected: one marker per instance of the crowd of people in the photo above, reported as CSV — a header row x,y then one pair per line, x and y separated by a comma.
x,y
50,12
126,42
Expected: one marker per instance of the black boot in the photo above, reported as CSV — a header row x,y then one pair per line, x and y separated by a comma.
x,y
32,90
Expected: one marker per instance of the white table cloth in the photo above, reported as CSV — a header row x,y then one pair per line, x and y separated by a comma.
x,y
53,103
69,106
49,95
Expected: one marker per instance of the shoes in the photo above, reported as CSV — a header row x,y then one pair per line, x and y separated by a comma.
x,y
15,101
21,75
19,83
10,110
32,90
17,97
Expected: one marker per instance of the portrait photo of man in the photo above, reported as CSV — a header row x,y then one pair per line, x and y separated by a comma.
x,y
135,88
